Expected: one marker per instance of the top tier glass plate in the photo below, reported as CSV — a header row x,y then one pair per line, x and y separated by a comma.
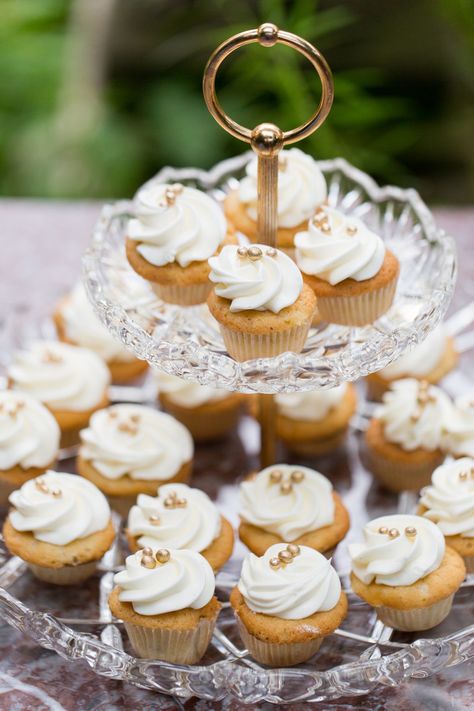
x,y
187,342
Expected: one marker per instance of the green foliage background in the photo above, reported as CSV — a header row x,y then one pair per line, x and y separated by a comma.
x,y
96,95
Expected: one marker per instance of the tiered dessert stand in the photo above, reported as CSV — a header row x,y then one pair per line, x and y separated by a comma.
x,y
187,342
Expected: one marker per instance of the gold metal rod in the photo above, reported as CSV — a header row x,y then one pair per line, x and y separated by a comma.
x,y
267,203
267,418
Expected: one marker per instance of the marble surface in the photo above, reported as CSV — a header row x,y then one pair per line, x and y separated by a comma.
x,y
41,246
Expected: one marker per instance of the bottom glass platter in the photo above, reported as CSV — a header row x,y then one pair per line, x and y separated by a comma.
x,y
77,624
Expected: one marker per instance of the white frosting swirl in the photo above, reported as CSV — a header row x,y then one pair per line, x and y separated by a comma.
x,y
185,581
186,393
308,506
301,188
422,360
307,585
346,250
459,437
194,526
136,441
410,423
397,561
311,405
189,230
84,328
266,284
450,498
78,511
63,377
29,434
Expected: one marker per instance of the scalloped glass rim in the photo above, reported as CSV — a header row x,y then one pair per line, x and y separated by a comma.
x,y
249,683
184,341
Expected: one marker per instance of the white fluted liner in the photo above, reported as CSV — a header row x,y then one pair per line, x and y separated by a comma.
x,y
421,618
245,346
357,310
182,295
171,645
274,654
69,575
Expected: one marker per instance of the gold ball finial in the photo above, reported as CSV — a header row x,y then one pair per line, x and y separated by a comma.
x,y
266,139
162,555
267,34
275,563
410,532
297,476
293,549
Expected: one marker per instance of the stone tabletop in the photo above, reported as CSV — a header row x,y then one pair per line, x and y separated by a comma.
x,y
41,245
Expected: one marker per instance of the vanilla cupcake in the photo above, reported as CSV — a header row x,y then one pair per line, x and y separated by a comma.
x,y
301,189
430,360
404,439
132,449
315,422
459,435
180,517
286,602
288,504
60,525
29,441
76,323
208,413
405,571
262,306
167,604
347,265
72,382
449,502
169,240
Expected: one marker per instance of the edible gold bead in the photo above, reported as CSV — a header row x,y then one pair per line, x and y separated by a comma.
x,y
169,502
275,476
177,188
242,251
297,476
254,253
293,549
351,230
148,561
170,196
285,556
147,551
154,519
393,533
383,530
271,252
286,487
325,228
180,503
463,476
275,563
57,493
410,531
162,555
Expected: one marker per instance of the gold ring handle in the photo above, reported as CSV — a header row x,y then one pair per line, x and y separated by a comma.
x,y
268,35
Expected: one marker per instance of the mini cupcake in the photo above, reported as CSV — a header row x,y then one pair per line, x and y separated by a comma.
x,y
459,436
262,306
174,232
404,438
72,382
60,525
131,449
405,571
286,602
76,323
180,517
430,360
288,504
167,604
315,422
208,413
29,441
301,189
449,502
347,265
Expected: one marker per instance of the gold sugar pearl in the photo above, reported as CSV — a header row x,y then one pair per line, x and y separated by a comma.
x,y
275,563
410,532
113,414
57,493
135,419
154,519
148,562
285,557
271,252
293,549
181,503
463,476
177,188
147,551
286,488
254,253
169,502
170,196
297,476
393,533
275,476
162,555
242,251
383,530
325,228
351,230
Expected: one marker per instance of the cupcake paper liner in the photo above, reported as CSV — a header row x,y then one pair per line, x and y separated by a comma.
x,y
189,295
275,654
357,310
246,346
469,562
68,575
397,477
122,504
171,645
315,447
6,488
421,618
